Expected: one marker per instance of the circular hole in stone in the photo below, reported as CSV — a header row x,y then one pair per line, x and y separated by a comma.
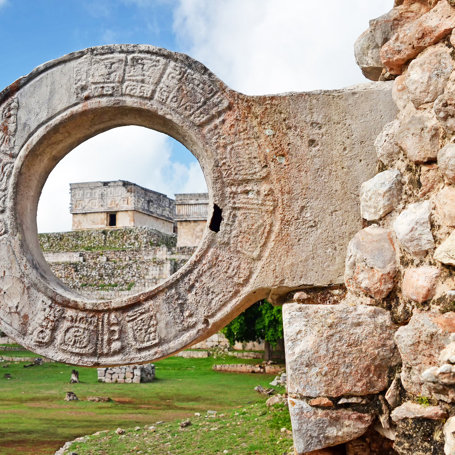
x,y
122,212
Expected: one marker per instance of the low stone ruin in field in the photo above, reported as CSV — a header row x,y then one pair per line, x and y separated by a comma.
x,y
131,374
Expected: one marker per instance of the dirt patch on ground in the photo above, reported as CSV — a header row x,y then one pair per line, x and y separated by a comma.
x,y
27,448
123,400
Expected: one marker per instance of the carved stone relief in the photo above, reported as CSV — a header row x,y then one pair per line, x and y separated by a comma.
x,y
284,172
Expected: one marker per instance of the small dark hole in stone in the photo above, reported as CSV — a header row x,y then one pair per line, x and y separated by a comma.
x,y
216,220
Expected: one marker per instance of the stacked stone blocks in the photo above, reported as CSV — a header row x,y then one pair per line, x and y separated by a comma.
x,y
131,374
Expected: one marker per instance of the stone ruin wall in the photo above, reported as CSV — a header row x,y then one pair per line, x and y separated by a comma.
x,y
400,379
105,264
131,374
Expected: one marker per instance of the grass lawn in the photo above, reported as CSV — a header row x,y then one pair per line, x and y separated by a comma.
x,y
250,429
35,419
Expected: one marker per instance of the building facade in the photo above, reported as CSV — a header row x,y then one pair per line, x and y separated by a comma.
x,y
191,212
98,205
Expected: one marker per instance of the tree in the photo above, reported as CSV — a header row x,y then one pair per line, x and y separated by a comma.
x,y
261,321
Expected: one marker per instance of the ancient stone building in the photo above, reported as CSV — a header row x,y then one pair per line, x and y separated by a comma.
x,y
191,212
338,205
96,205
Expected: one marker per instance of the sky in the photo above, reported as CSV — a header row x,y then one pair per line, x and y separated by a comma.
x,y
255,46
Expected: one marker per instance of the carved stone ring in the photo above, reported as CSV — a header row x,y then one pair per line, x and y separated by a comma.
x,y
282,172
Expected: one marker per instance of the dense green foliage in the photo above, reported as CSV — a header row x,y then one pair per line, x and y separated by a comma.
x,y
261,321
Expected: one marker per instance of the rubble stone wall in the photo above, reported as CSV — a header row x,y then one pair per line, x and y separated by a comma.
x,y
127,374
113,263
382,360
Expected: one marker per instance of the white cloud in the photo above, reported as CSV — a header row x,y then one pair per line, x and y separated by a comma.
x,y
3,3
130,153
272,46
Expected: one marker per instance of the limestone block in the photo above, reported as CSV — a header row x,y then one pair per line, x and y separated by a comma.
x,y
444,108
101,372
449,436
429,29
283,195
420,343
420,284
315,429
445,252
380,195
367,55
316,364
128,380
367,47
428,74
413,230
386,145
371,262
419,137
446,162
445,206
410,410
136,380
430,178
400,93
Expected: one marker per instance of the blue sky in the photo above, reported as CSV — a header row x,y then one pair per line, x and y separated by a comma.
x,y
255,46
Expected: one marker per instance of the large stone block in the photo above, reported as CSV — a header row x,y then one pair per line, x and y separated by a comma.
x,y
337,350
316,429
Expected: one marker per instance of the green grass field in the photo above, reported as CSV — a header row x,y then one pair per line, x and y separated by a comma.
x,y
35,419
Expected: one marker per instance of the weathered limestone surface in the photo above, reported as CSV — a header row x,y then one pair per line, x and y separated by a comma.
x,y
446,162
272,221
413,230
386,146
420,343
371,262
337,350
420,284
445,252
380,195
417,36
316,429
449,435
410,410
428,75
445,205
419,137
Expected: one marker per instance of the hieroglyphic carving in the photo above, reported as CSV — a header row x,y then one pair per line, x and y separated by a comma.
x,y
48,317
8,125
12,290
250,216
142,326
180,311
142,75
180,88
102,76
109,329
79,333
